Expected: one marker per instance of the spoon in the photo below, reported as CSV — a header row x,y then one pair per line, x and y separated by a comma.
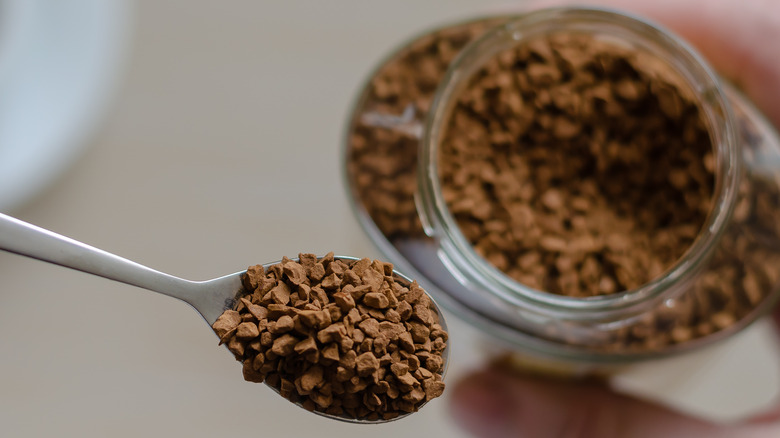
x,y
210,297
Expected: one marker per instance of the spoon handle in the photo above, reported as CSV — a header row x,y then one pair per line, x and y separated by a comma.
x,y
25,239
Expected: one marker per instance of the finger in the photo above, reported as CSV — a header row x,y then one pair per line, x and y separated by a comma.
x,y
739,38
496,403
773,414
776,318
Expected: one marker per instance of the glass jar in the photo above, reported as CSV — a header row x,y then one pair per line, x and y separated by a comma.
x,y
727,279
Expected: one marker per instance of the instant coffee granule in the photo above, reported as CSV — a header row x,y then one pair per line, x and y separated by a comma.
x,y
343,337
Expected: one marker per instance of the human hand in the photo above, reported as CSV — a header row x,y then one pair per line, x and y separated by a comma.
x,y
740,39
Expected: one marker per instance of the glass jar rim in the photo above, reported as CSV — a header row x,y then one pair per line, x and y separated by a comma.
x,y
440,224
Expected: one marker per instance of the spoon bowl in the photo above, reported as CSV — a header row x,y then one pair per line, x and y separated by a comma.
x,y
210,298
404,281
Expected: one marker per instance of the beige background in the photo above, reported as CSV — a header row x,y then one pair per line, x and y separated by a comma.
x,y
222,149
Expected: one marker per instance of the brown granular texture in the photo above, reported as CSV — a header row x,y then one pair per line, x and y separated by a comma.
x,y
382,161
742,272
744,268
343,337
577,166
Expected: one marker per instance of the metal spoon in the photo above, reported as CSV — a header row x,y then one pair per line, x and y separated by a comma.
x,y
210,297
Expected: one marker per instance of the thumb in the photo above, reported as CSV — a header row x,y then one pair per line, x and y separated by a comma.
x,y
496,403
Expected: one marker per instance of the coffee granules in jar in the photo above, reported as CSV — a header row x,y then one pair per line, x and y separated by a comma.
x,y
577,166
344,337
383,153
739,277
582,167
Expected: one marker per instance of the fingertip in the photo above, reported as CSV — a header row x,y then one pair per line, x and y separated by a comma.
x,y
776,318
497,403
482,404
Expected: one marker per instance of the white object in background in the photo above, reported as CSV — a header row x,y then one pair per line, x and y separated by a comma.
x,y
15,32
58,66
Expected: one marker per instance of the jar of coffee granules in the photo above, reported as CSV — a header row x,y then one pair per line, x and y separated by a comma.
x,y
575,182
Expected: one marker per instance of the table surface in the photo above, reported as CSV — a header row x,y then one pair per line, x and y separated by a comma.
x,y
222,149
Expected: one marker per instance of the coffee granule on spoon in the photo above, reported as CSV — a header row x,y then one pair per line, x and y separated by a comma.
x,y
343,337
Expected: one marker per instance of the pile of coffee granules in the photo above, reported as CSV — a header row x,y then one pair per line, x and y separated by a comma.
x,y
344,337
743,271
577,166
382,161
381,166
